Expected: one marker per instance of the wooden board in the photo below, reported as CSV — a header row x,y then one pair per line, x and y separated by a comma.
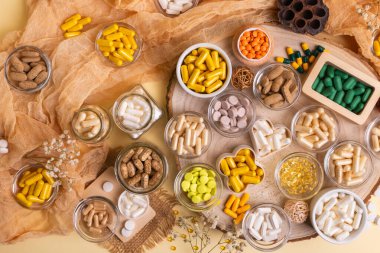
x,y
179,101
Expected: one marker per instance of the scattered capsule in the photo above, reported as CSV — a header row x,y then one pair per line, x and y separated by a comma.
x,y
305,48
71,34
297,67
73,17
290,53
282,60
298,57
376,47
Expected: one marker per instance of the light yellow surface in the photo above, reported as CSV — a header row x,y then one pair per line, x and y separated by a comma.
x,y
13,16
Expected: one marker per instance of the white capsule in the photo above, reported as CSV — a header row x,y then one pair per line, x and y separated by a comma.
x,y
342,236
264,127
258,222
186,7
277,141
3,143
305,142
261,138
4,150
164,4
122,108
174,7
357,221
274,220
251,219
205,137
130,124
264,210
255,234
140,201
198,146
332,202
91,122
172,12
138,212
180,146
319,208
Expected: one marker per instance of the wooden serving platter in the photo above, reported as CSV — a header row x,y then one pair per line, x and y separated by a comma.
x,y
179,101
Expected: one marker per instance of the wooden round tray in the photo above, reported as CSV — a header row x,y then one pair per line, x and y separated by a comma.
x,y
179,101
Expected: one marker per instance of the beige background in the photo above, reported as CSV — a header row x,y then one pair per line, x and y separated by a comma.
x,y
13,17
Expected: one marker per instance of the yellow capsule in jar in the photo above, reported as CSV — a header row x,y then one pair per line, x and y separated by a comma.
x,y
85,21
194,76
33,179
110,29
260,172
22,200
240,164
214,73
244,152
67,25
49,191
133,42
117,55
196,87
25,190
223,67
39,170
224,167
234,183
202,67
230,201
126,42
44,191
105,43
209,82
107,49
24,176
251,164
47,177
239,158
71,34
127,32
201,49
118,44
75,28
190,68
230,213
215,58
202,58
231,163
239,171
117,61
376,47
250,180
125,54
244,199
76,17
184,73
31,189
210,63
34,199
214,87
202,77
106,54
190,59
194,52
38,188
115,36
251,173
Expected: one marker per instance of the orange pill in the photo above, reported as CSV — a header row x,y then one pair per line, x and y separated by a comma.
x,y
256,40
248,47
244,52
254,33
263,48
266,44
242,48
244,42
250,56
257,48
247,34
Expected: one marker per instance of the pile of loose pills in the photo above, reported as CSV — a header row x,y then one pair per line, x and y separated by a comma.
x,y
134,112
347,164
128,229
315,129
199,184
254,44
141,167
342,88
338,215
118,44
278,87
241,170
132,205
96,217
236,207
264,224
28,69
87,124
188,135
36,187
269,139
204,70
176,7
73,26
3,146
231,114
375,141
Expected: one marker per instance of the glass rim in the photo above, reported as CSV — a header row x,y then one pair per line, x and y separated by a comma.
x,y
129,217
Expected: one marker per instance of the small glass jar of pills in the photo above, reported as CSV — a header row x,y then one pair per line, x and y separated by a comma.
x,y
372,137
172,8
91,124
134,112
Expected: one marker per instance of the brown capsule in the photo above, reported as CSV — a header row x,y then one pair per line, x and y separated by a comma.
x,y
28,53
33,73
99,206
277,71
26,67
273,99
157,166
30,59
27,85
155,156
138,164
33,64
17,76
134,180
96,221
90,218
277,83
266,89
17,64
124,170
104,220
285,90
155,179
88,208
128,156
145,154
138,151
95,230
144,180
41,77
148,166
131,169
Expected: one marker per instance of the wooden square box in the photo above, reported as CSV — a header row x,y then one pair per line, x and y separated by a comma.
x,y
339,64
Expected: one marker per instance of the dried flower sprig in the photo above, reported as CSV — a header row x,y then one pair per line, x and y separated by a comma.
x,y
60,152
370,18
195,231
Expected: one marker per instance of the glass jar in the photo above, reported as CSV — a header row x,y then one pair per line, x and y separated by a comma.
x,y
368,135
160,9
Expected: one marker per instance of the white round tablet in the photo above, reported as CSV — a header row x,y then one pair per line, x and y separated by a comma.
x,y
126,233
107,186
129,225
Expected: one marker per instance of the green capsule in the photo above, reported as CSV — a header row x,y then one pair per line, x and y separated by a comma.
x,y
349,96
349,83
339,97
338,83
343,104
359,108
342,74
320,48
330,71
355,102
333,93
298,54
328,91
315,84
328,82
359,90
367,94
323,71
320,87
305,59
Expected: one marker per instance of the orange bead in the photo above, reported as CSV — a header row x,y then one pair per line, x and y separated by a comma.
x,y
266,44
250,56
244,52
259,56
248,47
257,48
263,48
254,33
244,42
247,34
242,48
256,40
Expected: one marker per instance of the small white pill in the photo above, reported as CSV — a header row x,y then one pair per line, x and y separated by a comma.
x,y
126,233
129,225
107,186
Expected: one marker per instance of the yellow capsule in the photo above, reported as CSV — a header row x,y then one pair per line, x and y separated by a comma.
x,y
240,164
244,199
38,188
31,189
230,213
214,87
235,205
106,54
289,50
224,167
184,73
194,76
49,191
202,67
201,49
231,163
44,191
25,190
239,219
33,179
299,61
73,17
376,47
209,82
47,177
71,34
22,200
115,60
250,180
251,173
75,28
249,161
190,68
117,55
260,172
118,44
244,152
239,158
85,21
24,176
196,87
125,54
127,32
67,25
295,65
239,171
202,58
214,73
215,58
133,42
235,184
107,49
114,36
110,29
230,201
223,66
210,63
126,42
105,43
202,77
194,52
34,199
190,59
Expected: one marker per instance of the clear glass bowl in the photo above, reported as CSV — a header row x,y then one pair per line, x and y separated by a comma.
x,y
156,112
366,175
375,35
314,108
81,227
207,126
182,196
264,71
319,176
16,188
159,8
262,245
140,190
250,113
137,53
121,209
368,134
44,57
105,127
